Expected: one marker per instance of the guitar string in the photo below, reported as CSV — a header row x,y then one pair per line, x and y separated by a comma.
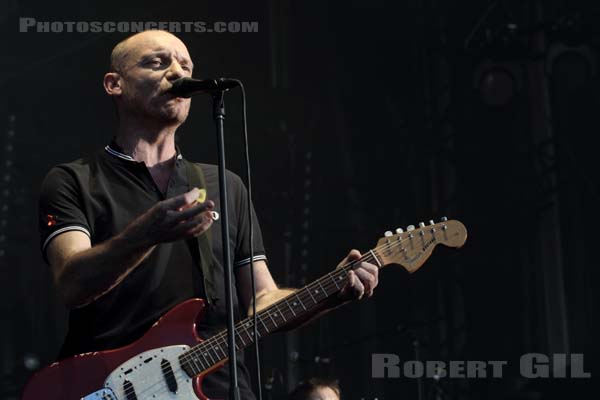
x,y
189,356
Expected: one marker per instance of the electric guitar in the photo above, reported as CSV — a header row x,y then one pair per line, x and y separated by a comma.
x,y
170,360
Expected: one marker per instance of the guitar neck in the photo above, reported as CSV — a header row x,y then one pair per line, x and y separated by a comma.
x,y
409,249
295,307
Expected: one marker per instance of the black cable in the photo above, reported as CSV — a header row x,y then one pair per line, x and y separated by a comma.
x,y
249,191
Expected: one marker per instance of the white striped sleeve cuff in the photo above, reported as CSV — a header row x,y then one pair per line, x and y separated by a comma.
x,y
63,230
247,260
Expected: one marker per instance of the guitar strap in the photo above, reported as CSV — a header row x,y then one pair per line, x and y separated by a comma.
x,y
196,179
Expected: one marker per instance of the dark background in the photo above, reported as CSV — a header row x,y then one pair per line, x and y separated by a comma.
x,y
364,116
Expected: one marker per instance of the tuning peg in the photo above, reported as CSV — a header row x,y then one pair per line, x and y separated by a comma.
x,y
444,219
410,228
421,224
431,222
399,230
388,233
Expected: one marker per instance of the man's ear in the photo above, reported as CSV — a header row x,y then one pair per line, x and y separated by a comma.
x,y
112,83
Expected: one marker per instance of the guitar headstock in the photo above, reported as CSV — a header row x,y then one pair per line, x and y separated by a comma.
x,y
411,248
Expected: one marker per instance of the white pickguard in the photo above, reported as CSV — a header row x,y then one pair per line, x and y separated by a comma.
x,y
146,378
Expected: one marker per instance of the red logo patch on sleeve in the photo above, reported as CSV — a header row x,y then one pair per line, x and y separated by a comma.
x,y
50,220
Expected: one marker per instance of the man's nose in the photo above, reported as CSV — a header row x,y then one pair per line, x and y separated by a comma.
x,y
175,71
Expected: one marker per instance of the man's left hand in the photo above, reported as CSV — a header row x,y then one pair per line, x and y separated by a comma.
x,y
362,280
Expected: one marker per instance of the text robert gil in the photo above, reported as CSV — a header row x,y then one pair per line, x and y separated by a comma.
x,y
531,365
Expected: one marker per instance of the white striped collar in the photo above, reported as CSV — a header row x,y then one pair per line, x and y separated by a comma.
x,y
110,150
115,153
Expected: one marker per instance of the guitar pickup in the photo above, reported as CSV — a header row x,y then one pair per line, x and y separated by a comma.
x,y
169,376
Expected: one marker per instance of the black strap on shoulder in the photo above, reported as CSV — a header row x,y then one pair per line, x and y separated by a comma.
x,y
196,179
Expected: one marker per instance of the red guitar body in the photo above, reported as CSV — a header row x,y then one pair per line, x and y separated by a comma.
x,y
78,376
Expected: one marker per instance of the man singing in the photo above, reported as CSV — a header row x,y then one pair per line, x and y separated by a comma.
x,y
127,230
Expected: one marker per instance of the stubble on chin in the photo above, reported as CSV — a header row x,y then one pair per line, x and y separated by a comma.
x,y
175,113
165,113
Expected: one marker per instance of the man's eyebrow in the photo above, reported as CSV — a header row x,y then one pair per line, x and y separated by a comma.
x,y
160,50
186,61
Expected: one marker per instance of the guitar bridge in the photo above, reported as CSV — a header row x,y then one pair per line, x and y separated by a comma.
x,y
104,394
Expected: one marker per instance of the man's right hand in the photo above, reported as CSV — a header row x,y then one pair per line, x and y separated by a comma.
x,y
84,273
173,219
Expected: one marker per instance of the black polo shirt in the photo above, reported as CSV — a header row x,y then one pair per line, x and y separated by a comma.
x,y
99,196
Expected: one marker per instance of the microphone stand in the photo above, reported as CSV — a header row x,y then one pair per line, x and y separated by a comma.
x,y
219,116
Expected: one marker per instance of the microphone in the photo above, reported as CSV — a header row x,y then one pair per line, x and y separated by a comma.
x,y
186,87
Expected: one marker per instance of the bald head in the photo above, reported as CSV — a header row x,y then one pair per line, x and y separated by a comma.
x,y
126,51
